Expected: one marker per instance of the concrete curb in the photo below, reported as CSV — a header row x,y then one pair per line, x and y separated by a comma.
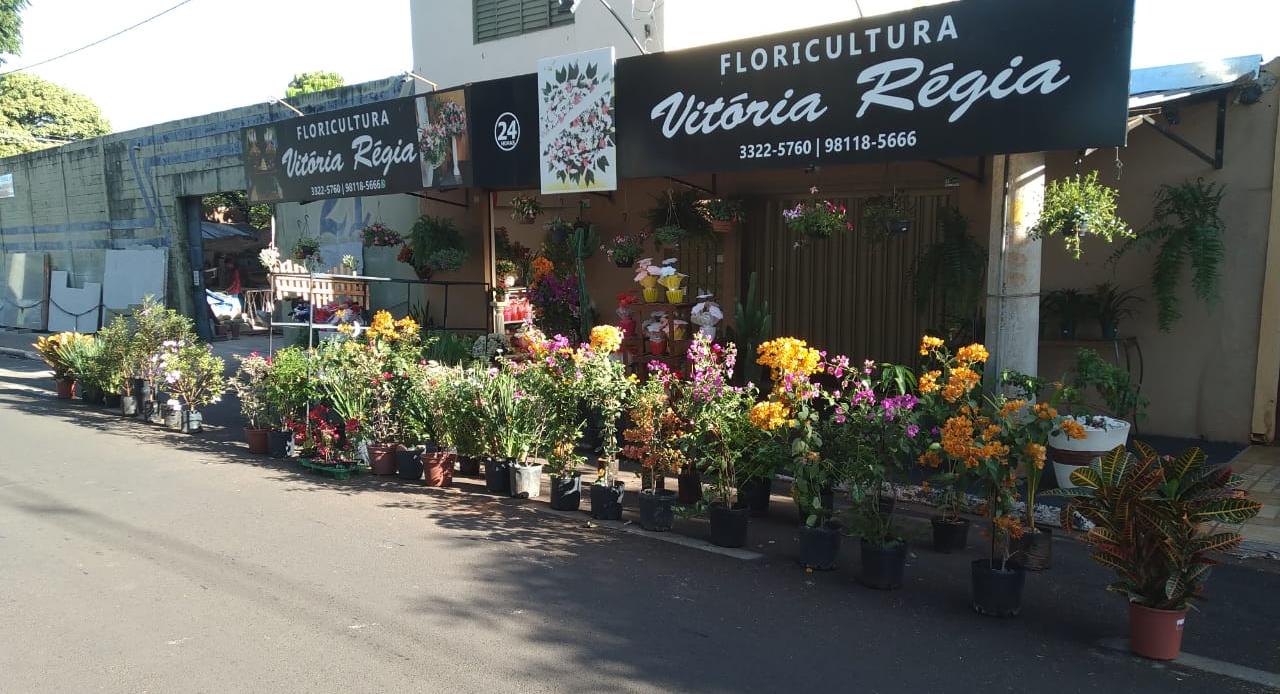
x,y
19,353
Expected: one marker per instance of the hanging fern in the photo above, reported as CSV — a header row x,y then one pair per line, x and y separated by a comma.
x,y
951,270
1188,229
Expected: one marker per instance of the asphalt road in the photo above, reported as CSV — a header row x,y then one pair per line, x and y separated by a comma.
x,y
133,559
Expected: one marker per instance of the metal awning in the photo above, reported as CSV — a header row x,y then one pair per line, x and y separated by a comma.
x,y
1158,91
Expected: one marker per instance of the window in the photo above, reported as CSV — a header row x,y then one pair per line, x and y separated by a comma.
x,y
498,19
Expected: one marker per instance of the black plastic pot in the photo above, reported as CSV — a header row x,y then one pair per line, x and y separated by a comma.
x,y
468,466
606,502
1034,550
755,494
729,525
409,463
278,443
882,567
87,392
128,406
997,592
497,475
690,485
820,546
657,509
111,400
566,492
950,536
140,389
886,504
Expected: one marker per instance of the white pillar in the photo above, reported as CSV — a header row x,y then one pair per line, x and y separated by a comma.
x,y
1013,264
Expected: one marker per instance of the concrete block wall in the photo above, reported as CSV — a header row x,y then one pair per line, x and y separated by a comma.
x,y
124,190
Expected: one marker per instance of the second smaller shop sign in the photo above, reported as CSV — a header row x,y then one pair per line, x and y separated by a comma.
x,y
394,146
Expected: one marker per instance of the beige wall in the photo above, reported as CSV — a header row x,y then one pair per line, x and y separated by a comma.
x,y
1199,376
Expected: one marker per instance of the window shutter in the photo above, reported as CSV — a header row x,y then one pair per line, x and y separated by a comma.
x,y
496,19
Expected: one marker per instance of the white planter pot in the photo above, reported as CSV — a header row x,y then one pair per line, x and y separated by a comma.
x,y
526,481
1098,441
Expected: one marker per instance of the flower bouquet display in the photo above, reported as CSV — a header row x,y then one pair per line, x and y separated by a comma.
x,y
706,314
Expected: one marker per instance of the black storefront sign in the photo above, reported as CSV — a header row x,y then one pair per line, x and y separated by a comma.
x,y
365,150
504,125
966,78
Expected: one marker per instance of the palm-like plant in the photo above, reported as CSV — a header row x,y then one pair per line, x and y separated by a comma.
x,y
1148,513
952,272
752,325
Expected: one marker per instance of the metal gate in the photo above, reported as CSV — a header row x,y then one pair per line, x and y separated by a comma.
x,y
846,294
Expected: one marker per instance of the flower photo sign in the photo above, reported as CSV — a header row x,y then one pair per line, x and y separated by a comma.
x,y
576,134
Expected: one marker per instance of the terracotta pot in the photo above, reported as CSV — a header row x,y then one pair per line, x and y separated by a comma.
x,y
382,458
257,439
1155,634
66,388
722,226
437,468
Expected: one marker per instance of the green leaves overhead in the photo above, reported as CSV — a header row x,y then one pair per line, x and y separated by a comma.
x,y
308,82
35,114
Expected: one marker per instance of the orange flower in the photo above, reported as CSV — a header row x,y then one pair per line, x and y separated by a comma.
x,y
1008,525
1035,453
929,381
1073,429
975,353
541,267
992,432
1011,407
1045,411
930,459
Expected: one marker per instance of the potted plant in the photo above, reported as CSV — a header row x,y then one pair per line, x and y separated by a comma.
x,y
675,216
153,325
652,440
192,373
1111,304
324,440
88,371
756,471
250,386
1070,307
1086,433
1189,231
377,235
511,422
53,349
1026,422
117,365
434,245
624,250
724,214
948,407
307,251
1076,206
817,219
873,427
350,264
885,216
1149,514
606,390
288,388
525,208
719,428
559,230
506,272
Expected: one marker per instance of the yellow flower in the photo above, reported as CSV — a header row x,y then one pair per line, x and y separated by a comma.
x,y
606,339
972,354
788,355
768,415
407,326
928,344
929,381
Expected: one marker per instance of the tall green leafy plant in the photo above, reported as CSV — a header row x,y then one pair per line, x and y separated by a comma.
x,y
951,272
1148,512
1188,230
434,245
752,325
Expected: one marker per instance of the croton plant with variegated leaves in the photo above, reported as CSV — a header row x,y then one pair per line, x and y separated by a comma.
x,y
1149,513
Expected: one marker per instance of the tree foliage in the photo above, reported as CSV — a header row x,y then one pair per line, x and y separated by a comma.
x,y
35,114
307,82
257,216
11,27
